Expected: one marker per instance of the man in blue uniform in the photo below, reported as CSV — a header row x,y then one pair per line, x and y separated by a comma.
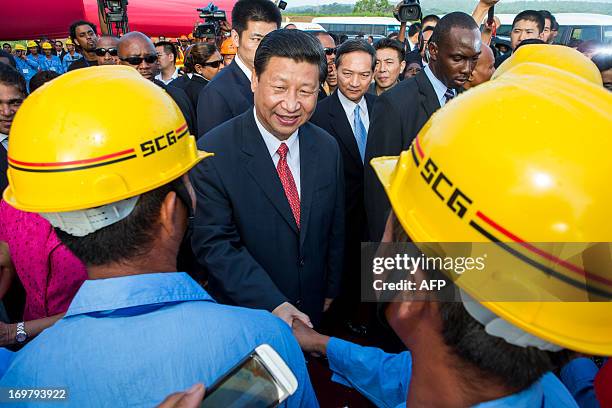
x,y
51,62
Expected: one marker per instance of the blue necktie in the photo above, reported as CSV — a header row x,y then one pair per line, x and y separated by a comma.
x,y
361,133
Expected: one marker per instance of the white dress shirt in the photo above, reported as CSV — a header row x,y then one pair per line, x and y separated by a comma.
x,y
349,110
243,67
438,86
4,140
293,155
172,78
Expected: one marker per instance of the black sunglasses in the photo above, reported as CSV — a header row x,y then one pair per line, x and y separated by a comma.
x,y
149,59
214,64
100,52
329,51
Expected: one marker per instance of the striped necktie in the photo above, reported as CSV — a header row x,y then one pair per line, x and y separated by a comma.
x,y
361,133
449,94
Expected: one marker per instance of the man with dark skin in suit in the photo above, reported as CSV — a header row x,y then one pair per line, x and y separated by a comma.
x,y
400,113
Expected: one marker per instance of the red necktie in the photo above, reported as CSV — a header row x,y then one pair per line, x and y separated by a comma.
x,y
284,172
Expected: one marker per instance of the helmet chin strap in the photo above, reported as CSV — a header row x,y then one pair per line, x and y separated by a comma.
x,y
498,327
83,222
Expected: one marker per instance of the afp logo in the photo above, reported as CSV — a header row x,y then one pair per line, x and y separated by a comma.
x,y
444,188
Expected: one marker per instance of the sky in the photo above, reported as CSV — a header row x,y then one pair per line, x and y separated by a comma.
x,y
296,3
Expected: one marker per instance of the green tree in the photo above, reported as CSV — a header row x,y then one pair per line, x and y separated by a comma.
x,y
373,6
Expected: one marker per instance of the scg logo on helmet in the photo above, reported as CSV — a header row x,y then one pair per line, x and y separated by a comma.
x,y
443,187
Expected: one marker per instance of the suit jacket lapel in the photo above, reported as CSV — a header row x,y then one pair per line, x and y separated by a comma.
x,y
260,166
240,78
308,171
342,127
430,99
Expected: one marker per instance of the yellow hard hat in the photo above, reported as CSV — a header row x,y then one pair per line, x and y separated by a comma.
x,y
556,56
69,42
20,47
87,155
228,47
183,38
47,46
32,44
190,36
522,159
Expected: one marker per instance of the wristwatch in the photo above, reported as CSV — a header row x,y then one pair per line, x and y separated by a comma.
x,y
22,335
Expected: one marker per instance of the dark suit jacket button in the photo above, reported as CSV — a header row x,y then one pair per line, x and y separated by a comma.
x,y
298,304
301,261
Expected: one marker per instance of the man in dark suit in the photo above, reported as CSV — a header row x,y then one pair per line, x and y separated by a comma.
x,y
346,115
229,93
400,113
12,93
136,50
269,223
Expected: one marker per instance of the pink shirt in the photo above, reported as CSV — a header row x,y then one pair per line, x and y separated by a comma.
x,y
49,272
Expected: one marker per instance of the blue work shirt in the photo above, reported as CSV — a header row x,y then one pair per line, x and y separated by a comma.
x,y
28,68
578,376
133,340
36,60
385,378
69,59
54,64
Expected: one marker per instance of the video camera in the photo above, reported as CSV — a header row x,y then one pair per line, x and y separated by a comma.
x,y
409,10
211,27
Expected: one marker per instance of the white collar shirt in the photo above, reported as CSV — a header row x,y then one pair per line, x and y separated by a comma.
x,y
293,155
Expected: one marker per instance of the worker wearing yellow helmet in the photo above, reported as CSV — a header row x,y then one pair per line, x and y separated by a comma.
x,y
71,56
50,62
26,66
532,204
228,51
36,59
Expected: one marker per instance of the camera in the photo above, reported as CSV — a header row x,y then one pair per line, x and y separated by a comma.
x,y
408,10
211,26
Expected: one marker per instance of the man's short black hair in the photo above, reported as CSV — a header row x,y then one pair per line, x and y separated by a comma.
x,y
293,44
129,238
355,46
530,15
78,23
529,41
414,29
3,44
603,61
393,44
41,78
11,59
516,367
254,10
548,15
9,76
430,17
456,19
169,48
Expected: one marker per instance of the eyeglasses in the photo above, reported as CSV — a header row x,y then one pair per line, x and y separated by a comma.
x,y
149,59
100,52
214,64
329,51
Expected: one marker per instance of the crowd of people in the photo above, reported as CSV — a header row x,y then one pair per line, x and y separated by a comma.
x,y
211,194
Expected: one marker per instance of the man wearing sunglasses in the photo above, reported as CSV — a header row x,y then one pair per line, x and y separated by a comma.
x,y
329,46
136,50
106,50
